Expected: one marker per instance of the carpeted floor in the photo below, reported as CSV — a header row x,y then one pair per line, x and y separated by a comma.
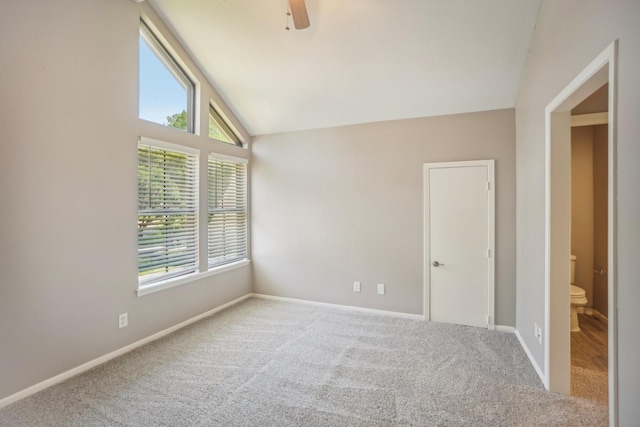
x,y
267,363
590,384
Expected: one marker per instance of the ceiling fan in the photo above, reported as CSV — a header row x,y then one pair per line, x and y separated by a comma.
x,y
299,14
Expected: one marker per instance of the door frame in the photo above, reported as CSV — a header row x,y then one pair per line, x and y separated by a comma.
x,y
490,165
557,345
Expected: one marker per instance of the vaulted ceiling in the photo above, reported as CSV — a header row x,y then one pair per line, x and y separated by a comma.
x,y
360,61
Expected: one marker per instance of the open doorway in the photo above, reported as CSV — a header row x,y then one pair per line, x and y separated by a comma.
x,y
589,247
599,72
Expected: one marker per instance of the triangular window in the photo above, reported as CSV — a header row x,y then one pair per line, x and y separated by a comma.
x,y
166,92
220,130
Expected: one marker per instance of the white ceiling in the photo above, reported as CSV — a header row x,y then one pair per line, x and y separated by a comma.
x,y
360,61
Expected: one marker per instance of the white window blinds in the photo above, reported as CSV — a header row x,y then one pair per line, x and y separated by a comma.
x,y
167,213
227,210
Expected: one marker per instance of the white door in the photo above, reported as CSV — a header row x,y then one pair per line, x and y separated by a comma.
x,y
459,243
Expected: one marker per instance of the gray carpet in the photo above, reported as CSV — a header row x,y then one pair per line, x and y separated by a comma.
x,y
267,363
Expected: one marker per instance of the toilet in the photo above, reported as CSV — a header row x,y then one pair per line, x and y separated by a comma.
x,y
578,297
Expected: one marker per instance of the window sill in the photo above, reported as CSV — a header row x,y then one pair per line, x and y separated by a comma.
x,y
182,280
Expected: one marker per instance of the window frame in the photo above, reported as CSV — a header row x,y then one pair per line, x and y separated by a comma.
x,y
244,209
201,271
173,66
220,121
158,39
194,211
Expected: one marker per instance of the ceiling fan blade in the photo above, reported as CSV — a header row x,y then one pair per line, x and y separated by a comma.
x,y
299,14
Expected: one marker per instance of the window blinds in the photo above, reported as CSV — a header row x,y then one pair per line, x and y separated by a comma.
x,y
167,213
227,211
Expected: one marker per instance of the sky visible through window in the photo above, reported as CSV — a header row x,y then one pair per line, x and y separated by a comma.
x,y
161,95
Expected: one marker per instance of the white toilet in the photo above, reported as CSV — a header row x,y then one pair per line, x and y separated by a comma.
x,y
578,297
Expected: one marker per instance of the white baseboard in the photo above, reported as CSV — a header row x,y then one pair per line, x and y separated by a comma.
x,y
600,316
102,359
531,359
589,311
584,310
343,307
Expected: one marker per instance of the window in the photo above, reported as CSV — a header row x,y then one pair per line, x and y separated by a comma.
x,y
166,92
227,210
220,130
167,211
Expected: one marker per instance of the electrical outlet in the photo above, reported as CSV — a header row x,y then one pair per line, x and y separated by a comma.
x,y
123,320
381,288
537,332
356,286
539,335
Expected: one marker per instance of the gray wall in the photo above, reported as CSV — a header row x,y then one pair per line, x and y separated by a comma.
x,y
338,205
69,130
568,35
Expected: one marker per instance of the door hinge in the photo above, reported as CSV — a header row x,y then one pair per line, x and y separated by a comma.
x,y
488,186
488,253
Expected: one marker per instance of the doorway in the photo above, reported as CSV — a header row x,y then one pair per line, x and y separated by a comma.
x,y
459,242
600,71
589,186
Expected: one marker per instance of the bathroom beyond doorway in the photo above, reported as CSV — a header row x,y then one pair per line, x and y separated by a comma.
x,y
589,345
589,360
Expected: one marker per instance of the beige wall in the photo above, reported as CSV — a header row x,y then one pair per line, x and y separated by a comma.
x,y
334,206
589,211
600,217
597,102
68,263
582,207
568,35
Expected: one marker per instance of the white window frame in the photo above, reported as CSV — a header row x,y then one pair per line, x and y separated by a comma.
x,y
225,127
192,187
173,66
243,209
198,143
200,273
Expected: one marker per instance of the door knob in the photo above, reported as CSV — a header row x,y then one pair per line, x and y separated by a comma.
x,y
437,264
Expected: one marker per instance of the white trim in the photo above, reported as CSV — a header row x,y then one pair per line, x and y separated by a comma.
x,y
601,317
182,280
490,165
492,242
163,37
590,311
589,119
584,310
164,145
556,360
103,359
531,359
225,118
504,328
612,256
228,158
342,307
